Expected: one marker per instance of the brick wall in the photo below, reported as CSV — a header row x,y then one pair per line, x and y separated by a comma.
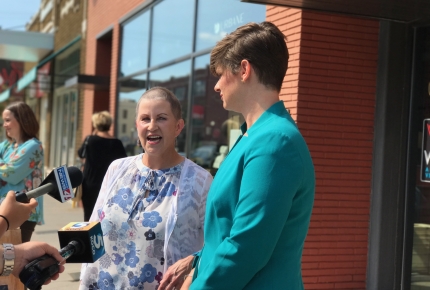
x,y
289,22
330,89
69,15
68,22
102,15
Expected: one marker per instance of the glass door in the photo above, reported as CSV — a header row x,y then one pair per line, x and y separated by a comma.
x,y
418,211
64,126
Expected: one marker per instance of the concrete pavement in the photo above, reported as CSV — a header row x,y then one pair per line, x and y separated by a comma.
x,y
57,215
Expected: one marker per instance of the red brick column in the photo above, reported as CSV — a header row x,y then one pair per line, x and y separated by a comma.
x,y
330,89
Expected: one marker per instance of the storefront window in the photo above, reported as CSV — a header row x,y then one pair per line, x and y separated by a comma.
x,y
214,128
134,50
420,270
214,21
176,78
172,34
130,91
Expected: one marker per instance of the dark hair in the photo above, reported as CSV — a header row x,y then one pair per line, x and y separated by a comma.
x,y
262,44
102,121
26,119
163,94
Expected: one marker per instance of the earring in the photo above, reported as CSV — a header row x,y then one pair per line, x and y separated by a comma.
x,y
138,143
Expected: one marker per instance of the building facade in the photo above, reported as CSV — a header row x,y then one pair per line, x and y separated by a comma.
x,y
329,89
56,103
357,87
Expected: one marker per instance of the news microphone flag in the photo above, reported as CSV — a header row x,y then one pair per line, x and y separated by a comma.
x,y
88,235
63,182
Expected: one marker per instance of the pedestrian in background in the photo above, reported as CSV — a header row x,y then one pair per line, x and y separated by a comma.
x,y
98,150
260,202
21,160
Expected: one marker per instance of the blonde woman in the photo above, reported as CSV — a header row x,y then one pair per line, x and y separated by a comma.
x,y
100,149
151,206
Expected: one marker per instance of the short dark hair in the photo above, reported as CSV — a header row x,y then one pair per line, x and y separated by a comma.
x,y
262,44
164,94
102,121
26,119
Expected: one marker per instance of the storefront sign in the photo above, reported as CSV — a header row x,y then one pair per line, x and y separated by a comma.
x,y
425,158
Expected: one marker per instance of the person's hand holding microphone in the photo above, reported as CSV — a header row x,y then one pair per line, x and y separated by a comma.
x,y
14,213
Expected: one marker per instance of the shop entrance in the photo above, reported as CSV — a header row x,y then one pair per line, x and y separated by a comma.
x,y
64,126
419,210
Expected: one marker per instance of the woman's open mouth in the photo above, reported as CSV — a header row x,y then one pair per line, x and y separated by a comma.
x,y
154,139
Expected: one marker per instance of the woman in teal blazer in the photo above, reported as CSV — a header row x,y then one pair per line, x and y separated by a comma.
x,y
260,202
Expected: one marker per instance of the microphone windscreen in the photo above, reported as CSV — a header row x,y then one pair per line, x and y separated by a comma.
x,y
75,176
90,237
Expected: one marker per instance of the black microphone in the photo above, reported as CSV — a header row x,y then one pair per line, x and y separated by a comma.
x,y
50,185
83,243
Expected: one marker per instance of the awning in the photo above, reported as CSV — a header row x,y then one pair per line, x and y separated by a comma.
x,y
32,74
25,45
410,11
88,82
4,95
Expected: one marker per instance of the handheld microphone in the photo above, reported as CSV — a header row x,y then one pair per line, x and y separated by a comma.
x,y
88,235
50,185
83,243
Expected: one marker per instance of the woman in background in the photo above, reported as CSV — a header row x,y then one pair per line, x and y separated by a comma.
x,y
100,148
21,160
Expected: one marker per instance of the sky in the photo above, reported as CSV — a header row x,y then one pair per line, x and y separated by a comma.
x,y
15,14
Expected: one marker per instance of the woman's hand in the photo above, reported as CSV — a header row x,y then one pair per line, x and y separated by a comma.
x,y
187,281
174,277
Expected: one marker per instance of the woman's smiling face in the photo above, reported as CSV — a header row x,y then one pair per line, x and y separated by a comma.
x,y
157,127
11,125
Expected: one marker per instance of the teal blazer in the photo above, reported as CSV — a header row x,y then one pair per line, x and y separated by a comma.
x,y
258,209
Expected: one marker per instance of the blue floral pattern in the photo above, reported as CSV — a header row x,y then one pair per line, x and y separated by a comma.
x,y
134,223
151,219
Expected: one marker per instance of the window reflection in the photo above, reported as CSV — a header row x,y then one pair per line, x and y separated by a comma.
x,y
214,129
214,21
173,30
134,50
420,268
176,78
129,93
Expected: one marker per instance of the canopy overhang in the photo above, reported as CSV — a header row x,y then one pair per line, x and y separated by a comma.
x,y
32,74
409,11
92,82
25,46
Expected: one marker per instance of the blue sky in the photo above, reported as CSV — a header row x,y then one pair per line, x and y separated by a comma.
x,y
15,14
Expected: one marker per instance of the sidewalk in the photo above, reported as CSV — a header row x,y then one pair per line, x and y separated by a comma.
x,y
57,215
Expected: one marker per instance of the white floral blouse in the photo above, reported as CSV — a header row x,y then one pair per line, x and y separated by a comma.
x,y
144,236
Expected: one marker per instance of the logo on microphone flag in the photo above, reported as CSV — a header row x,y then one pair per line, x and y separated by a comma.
x,y
63,182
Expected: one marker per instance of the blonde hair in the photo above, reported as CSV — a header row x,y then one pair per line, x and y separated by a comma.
x,y
102,121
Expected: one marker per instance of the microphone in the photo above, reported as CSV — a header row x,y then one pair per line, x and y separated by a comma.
x,y
85,239
57,184
82,243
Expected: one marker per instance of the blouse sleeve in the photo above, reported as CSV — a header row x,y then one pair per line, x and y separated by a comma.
x,y
20,163
108,180
202,206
